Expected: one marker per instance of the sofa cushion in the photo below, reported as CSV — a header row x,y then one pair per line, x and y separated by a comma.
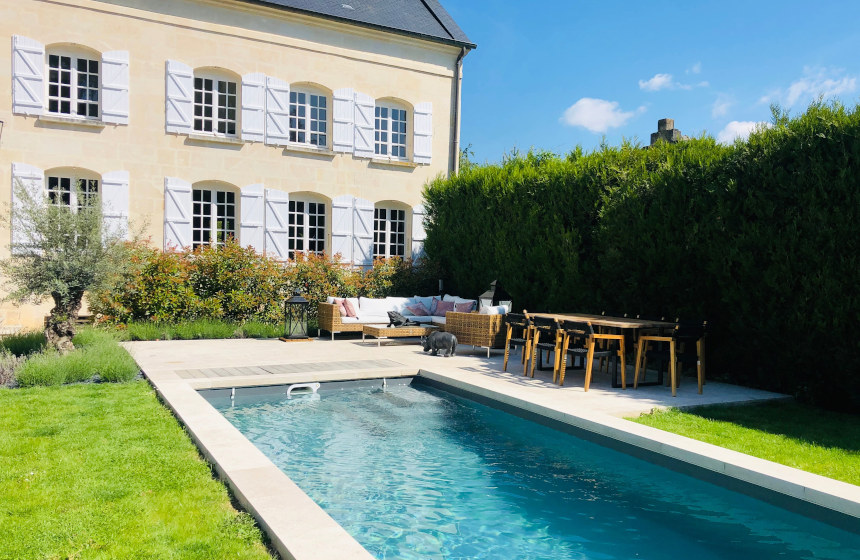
x,y
441,307
418,310
351,306
422,319
439,320
339,302
373,306
370,318
398,304
426,300
464,306
455,299
349,320
494,310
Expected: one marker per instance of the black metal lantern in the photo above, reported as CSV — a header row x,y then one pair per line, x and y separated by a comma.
x,y
296,318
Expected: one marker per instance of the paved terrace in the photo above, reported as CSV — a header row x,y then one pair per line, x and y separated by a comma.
x,y
297,525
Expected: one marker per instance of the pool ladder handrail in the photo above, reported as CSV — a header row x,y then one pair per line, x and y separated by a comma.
x,y
314,387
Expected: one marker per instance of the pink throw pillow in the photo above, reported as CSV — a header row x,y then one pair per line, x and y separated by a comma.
x,y
418,309
340,306
442,307
464,307
350,309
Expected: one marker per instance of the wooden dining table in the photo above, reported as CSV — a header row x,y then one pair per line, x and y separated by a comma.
x,y
622,323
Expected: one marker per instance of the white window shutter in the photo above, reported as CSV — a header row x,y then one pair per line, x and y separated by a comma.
x,y
277,223
344,118
252,222
362,231
253,107
32,180
177,213
115,84
341,227
115,204
180,96
28,76
422,143
277,112
418,233
365,107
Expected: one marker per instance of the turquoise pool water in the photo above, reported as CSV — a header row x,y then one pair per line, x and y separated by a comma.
x,y
412,472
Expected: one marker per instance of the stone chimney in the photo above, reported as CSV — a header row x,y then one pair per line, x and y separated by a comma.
x,y
667,132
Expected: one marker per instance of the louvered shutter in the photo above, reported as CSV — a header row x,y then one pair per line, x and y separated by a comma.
x,y
32,180
115,204
341,227
179,95
344,117
365,107
253,107
115,85
252,212
422,143
362,231
277,223
177,213
277,112
418,233
28,76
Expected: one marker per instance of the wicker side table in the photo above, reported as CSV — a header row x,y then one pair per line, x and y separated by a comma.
x,y
381,332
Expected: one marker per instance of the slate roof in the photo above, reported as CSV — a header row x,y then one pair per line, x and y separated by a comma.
x,y
418,18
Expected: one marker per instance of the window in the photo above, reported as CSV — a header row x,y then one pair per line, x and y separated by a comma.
x,y
73,86
213,215
215,105
390,131
72,192
389,232
308,118
306,228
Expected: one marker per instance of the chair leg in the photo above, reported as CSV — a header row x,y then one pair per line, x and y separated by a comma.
x,y
507,349
589,364
534,353
638,362
672,373
623,364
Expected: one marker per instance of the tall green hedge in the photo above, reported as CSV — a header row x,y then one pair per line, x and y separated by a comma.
x,y
759,238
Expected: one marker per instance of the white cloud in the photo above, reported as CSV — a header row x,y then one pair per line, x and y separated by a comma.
x,y
695,69
658,82
597,115
738,129
721,106
815,82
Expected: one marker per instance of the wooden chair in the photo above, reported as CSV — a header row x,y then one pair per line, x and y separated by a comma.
x,y
546,328
579,339
684,345
518,335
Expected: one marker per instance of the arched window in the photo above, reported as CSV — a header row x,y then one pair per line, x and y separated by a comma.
x,y
309,116
390,130
306,221
73,82
72,188
213,214
216,100
389,230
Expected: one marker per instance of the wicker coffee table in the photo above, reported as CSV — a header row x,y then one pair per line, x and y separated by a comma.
x,y
384,331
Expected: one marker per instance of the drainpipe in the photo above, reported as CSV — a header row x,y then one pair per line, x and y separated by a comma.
x,y
458,79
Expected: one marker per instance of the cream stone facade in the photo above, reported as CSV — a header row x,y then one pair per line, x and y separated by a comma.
x,y
148,157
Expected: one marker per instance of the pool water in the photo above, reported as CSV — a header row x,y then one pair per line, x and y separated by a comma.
x,y
412,472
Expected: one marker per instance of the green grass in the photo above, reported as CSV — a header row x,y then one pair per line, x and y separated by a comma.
x,y
200,329
97,353
99,471
800,436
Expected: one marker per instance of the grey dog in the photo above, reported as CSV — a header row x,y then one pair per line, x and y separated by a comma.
x,y
436,341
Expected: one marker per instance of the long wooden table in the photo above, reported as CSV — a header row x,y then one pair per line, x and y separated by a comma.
x,y
622,323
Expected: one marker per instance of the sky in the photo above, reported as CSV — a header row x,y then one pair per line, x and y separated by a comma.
x,y
555,74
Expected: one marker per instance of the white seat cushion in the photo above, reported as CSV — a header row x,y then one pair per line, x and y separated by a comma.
x,y
438,320
350,320
365,318
374,306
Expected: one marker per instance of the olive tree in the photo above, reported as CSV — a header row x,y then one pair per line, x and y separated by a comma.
x,y
59,251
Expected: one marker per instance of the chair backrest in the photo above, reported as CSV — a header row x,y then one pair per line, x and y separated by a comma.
x,y
517,320
577,328
545,325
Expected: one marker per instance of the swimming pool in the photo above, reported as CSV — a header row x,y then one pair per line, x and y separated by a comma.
x,y
413,472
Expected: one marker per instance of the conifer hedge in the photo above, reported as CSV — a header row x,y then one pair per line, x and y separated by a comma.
x,y
761,238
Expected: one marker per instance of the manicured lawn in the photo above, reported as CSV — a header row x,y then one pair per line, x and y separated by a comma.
x,y
804,437
105,471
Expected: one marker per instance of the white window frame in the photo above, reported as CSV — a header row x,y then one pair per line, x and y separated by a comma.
x,y
383,131
90,188
214,105
74,75
296,107
209,210
387,223
306,229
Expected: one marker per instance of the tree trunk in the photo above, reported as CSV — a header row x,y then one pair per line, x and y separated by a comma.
x,y
61,324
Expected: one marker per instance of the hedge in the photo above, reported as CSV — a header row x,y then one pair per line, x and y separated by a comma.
x,y
760,238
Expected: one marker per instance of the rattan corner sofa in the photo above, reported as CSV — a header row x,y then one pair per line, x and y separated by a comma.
x,y
477,329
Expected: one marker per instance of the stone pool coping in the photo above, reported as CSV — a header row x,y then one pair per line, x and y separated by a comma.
x,y
299,529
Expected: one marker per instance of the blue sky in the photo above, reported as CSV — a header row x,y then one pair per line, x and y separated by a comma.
x,y
555,74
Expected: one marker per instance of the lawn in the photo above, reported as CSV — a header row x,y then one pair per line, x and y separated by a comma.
x,y
800,436
105,471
